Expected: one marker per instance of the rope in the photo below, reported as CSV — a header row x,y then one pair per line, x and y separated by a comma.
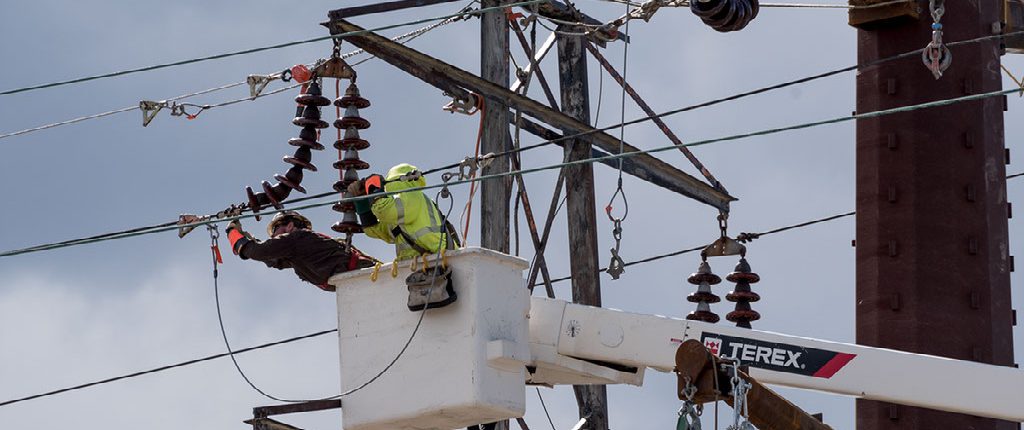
x,y
167,367
766,132
542,405
260,49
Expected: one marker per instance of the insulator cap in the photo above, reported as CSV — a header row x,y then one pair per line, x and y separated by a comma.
x,y
351,140
311,144
351,119
352,98
290,183
312,97
742,296
703,275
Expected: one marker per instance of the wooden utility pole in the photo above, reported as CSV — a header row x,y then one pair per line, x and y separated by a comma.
x,y
581,211
932,263
495,193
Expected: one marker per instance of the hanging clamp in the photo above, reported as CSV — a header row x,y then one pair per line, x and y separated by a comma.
x,y
149,110
214,247
179,109
724,245
258,83
465,107
936,55
469,165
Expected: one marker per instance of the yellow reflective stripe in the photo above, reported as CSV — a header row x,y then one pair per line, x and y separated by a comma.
x,y
430,210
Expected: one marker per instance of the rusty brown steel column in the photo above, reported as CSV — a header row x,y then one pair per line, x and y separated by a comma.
x,y
581,210
932,263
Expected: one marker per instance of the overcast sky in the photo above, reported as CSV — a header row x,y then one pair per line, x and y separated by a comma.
x,y
90,312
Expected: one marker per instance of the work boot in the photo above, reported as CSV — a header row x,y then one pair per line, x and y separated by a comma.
x,y
430,288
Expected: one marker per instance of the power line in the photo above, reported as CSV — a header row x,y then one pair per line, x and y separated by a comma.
x,y
167,367
745,236
260,49
765,132
404,38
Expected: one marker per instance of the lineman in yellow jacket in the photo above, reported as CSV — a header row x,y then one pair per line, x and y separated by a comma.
x,y
408,219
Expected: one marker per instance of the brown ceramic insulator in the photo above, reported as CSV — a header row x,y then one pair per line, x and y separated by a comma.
x,y
310,118
351,163
704,275
351,119
311,144
290,183
341,186
743,317
742,296
750,278
344,207
706,316
298,162
348,224
345,227
351,140
273,194
312,97
742,273
703,296
352,98
254,202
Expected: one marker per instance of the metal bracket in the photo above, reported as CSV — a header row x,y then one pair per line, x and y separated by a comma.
x,y
465,107
257,83
334,68
149,110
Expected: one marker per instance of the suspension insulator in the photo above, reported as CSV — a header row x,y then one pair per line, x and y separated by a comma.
x,y
351,119
704,275
350,176
313,96
352,98
303,158
726,15
254,202
310,118
351,140
703,297
292,179
307,138
351,161
348,224
276,193
742,295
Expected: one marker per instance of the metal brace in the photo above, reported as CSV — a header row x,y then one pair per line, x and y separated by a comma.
x,y
724,245
149,110
258,83
467,107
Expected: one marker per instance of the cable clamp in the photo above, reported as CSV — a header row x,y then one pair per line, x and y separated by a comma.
x,y
469,165
149,110
465,107
179,109
258,83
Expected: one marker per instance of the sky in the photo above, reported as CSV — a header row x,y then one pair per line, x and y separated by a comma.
x,y
79,314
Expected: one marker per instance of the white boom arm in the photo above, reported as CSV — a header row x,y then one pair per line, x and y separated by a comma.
x,y
637,340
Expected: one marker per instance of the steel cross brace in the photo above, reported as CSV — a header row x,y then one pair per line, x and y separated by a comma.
x,y
459,84
654,117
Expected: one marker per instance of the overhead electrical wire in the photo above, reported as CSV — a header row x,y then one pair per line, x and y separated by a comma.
x,y
261,49
610,157
167,367
323,332
404,38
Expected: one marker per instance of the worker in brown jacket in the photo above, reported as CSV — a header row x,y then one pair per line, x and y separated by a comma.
x,y
293,245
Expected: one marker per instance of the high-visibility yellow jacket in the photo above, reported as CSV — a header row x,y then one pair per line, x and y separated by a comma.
x,y
408,212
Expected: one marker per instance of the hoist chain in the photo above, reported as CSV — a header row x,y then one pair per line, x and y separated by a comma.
x,y
740,388
936,55
690,412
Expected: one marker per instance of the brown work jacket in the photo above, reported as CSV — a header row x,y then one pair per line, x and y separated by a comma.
x,y
313,256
